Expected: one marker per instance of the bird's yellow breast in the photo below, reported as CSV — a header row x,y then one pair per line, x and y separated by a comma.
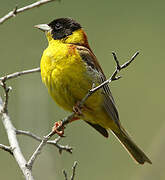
x,y
66,76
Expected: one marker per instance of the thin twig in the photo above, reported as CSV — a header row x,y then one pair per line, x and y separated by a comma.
x,y
65,175
11,76
38,150
73,170
32,159
51,142
112,78
17,74
16,11
6,148
118,68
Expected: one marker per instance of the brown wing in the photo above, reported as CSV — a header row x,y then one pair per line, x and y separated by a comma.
x,y
109,104
99,128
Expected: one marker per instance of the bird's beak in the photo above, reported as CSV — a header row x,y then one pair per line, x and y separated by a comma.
x,y
43,27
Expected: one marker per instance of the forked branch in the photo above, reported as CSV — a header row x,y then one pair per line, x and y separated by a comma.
x,y
16,11
10,130
6,148
17,74
55,142
73,172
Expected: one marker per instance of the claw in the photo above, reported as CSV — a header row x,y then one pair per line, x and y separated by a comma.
x,y
56,126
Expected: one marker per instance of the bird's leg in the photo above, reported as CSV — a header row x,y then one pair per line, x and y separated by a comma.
x,y
58,125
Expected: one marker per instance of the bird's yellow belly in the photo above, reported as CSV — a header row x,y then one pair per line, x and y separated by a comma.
x,y
69,88
68,81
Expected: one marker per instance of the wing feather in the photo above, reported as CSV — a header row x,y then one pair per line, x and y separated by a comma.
x,y
109,103
99,128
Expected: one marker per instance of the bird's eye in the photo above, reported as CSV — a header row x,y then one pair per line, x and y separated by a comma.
x,y
58,26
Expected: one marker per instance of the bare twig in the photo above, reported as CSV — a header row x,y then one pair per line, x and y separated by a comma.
x,y
112,78
6,148
38,150
53,142
10,130
16,11
65,175
118,68
17,74
11,76
65,121
73,170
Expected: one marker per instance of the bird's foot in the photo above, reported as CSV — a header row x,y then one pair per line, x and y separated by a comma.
x,y
58,128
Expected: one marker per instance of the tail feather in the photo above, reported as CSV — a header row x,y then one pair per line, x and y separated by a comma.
x,y
135,152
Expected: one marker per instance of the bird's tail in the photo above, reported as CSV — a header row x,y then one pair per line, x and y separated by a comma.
x,y
134,151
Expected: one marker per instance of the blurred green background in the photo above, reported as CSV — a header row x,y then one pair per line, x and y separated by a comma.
x,y
111,25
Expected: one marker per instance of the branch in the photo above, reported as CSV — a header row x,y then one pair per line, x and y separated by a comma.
x,y
112,78
53,142
17,74
118,69
16,11
11,76
38,150
73,172
32,159
68,119
5,103
65,175
6,148
10,130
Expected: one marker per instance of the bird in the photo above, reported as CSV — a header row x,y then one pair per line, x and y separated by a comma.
x,y
69,69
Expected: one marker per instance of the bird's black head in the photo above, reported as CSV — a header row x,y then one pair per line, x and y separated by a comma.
x,y
63,27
